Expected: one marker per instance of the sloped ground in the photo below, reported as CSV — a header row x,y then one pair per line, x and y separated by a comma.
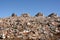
x,y
26,27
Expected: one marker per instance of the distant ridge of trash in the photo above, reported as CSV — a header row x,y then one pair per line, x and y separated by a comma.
x,y
26,27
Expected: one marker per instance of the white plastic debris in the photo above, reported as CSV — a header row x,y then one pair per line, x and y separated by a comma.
x,y
28,23
26,31
3,36
57,30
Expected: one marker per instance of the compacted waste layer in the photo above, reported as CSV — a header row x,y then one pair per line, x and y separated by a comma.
x,y
26,27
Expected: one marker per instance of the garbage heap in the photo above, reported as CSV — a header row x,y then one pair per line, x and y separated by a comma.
x,y
26,27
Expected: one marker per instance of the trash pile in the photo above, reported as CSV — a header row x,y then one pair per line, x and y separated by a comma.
x,y
26,27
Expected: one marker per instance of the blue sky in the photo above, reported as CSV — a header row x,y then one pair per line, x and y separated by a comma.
x,y
7,7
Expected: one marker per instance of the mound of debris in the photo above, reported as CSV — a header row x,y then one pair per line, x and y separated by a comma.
x,y
26,27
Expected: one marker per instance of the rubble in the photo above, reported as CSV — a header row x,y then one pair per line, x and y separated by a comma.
x,y
25,15
25,27
13,15
39,14
53,15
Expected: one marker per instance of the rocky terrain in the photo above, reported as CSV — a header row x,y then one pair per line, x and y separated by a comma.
x,y
26,27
